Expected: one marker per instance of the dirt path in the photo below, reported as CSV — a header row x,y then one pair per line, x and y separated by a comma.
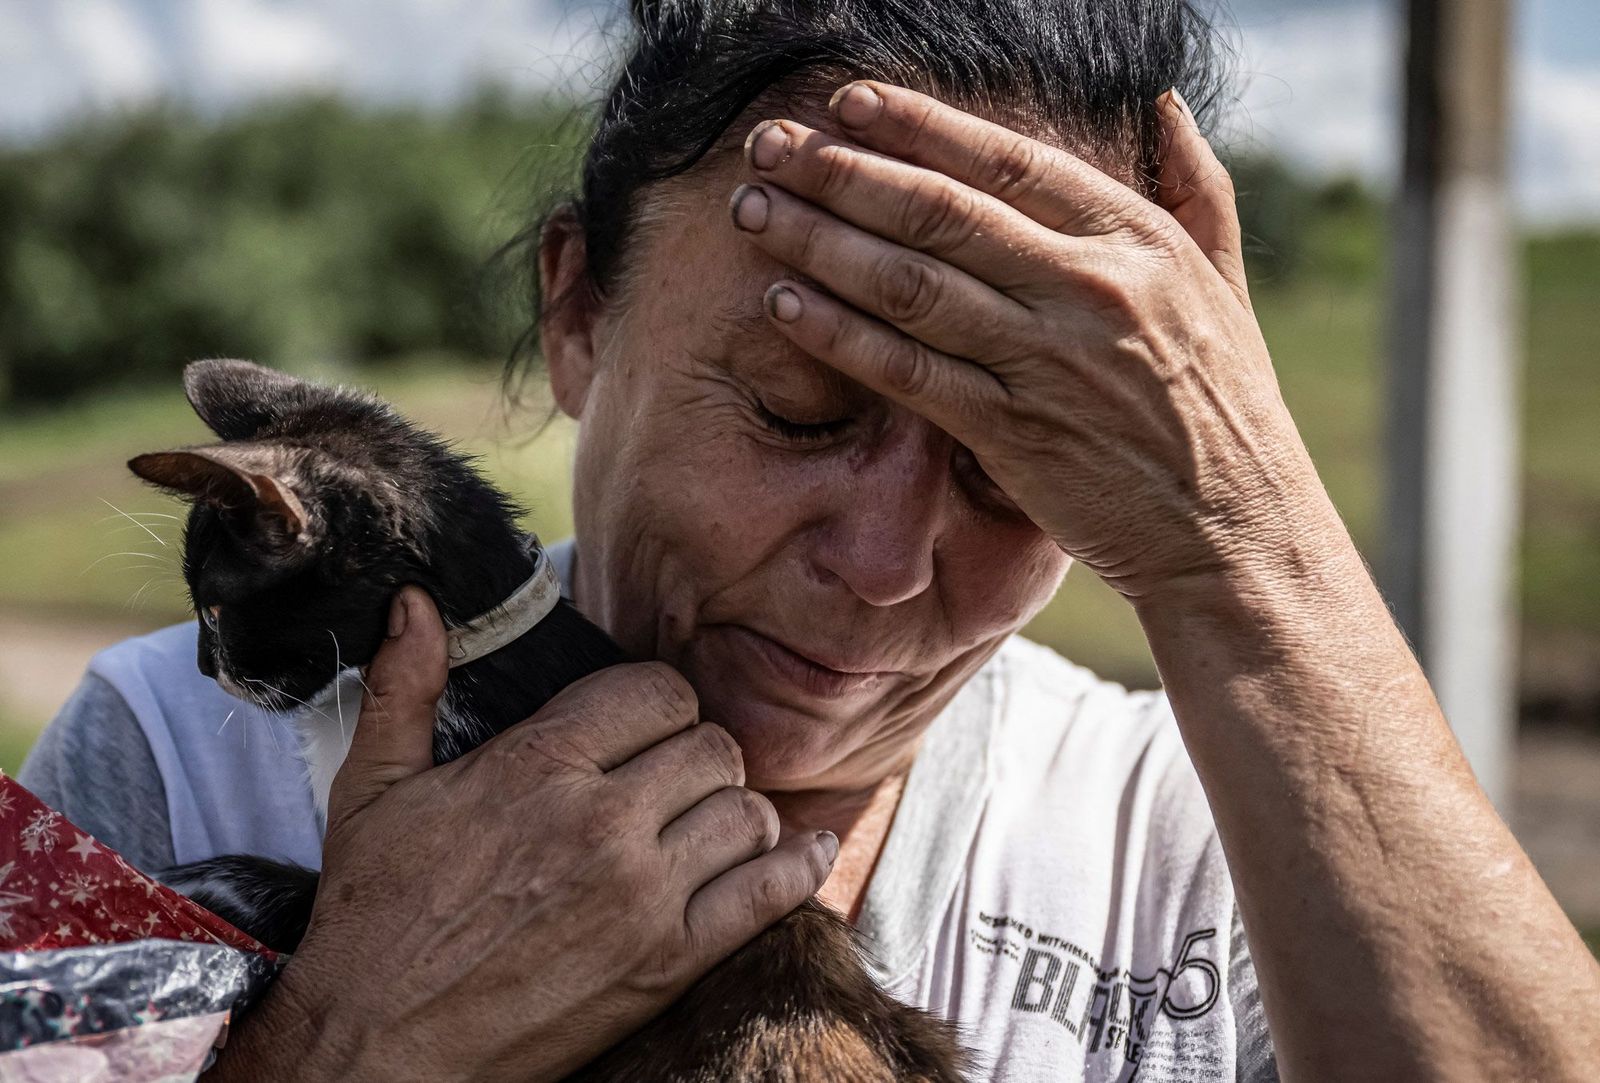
x,y
42,657
1557,773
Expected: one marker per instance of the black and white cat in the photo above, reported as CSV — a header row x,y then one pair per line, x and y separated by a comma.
x,y
317,504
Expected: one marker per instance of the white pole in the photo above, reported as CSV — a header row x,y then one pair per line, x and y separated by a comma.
x,y
1453,492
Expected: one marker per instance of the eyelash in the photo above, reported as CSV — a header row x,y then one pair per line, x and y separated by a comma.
x,y
794,430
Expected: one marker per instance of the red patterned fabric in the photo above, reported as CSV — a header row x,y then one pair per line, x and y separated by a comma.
x,y
59,888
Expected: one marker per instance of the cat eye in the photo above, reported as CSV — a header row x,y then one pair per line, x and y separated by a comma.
x,y
211,615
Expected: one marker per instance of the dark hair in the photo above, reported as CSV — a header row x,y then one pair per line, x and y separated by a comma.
x,y
1090,70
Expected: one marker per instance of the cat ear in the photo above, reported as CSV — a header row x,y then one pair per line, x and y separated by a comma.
x,y
238,398
212,476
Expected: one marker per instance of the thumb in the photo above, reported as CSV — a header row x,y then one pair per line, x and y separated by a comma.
x,y
394,734
1193,186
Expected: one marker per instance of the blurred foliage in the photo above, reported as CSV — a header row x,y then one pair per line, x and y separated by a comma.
x,y
302,233
313,234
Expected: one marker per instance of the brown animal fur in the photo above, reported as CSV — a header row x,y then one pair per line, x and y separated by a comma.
x,y
794,1005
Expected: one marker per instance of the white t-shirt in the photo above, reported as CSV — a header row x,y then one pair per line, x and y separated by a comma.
x,y
1052,880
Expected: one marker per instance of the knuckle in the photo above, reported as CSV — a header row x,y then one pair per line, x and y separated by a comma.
x,y
808,241
610,814
670,692
535,751
835,170
1222,182
756,817
906,368
935,220
771,896
1007,168
721,746
909,290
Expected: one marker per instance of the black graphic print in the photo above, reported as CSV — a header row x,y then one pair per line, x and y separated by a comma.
x,y
1110,1012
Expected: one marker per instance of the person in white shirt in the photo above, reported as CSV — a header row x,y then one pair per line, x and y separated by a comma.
x,y
859,370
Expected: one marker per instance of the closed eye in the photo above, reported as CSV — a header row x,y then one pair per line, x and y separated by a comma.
x,y
801,432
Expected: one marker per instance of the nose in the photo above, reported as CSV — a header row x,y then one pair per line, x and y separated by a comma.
x,y
881,536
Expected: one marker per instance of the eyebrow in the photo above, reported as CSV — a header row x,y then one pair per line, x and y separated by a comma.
x,y
745,326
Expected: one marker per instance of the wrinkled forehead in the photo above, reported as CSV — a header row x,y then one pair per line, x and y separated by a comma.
x,y
690,275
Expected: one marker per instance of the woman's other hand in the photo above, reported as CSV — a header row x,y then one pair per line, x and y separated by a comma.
x,y
517,911
1094,350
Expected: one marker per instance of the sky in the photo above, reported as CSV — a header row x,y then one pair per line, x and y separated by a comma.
x,y
1318,78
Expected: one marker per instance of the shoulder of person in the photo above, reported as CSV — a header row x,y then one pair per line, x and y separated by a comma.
x,y
94,762
1061,726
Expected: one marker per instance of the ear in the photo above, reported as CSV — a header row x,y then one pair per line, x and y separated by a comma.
x,y
238,398
569,310
214,476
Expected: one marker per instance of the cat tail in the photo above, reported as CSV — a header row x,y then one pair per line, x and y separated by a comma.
x,y
270,900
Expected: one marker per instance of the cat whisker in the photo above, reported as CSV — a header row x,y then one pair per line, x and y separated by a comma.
x,y
125,553
338,694
275,690
273,734
136,514
134,521
124,528
138,594
225,721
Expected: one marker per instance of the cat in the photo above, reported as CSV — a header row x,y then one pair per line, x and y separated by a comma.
x,y
316,505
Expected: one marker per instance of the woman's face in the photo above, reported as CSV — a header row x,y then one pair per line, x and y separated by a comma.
x,y
825,567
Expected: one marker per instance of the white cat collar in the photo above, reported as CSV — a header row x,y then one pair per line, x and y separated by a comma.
x,y
525,607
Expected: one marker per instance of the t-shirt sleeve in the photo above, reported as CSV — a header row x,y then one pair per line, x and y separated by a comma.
x,y
93,764
1256,1061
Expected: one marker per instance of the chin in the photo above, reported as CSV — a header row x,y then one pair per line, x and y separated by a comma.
x,y
784,748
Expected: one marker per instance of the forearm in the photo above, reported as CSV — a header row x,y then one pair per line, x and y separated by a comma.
x,y
1398,929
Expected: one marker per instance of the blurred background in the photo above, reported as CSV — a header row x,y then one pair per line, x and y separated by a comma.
x,y
318,186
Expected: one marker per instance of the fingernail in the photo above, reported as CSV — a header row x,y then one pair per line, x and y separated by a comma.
x,y
855,104
767,145
783,303
829,843
750,206
397,616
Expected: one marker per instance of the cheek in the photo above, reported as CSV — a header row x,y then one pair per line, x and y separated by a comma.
x,y
676,504
997,576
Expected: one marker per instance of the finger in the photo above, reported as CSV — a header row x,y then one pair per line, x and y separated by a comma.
x,y
393,736
726,913
728,828
675,774
955,394
1194,187
607,718
919,208
1057,189
923,296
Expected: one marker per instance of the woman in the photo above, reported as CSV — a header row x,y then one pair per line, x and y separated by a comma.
x,y
855,384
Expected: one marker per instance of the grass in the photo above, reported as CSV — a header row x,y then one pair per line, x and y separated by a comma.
x,y
16,737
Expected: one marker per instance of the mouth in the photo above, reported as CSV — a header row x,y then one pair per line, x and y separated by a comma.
x,y
830,678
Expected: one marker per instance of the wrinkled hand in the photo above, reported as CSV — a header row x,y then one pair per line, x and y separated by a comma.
x,y
1096,351
517,911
